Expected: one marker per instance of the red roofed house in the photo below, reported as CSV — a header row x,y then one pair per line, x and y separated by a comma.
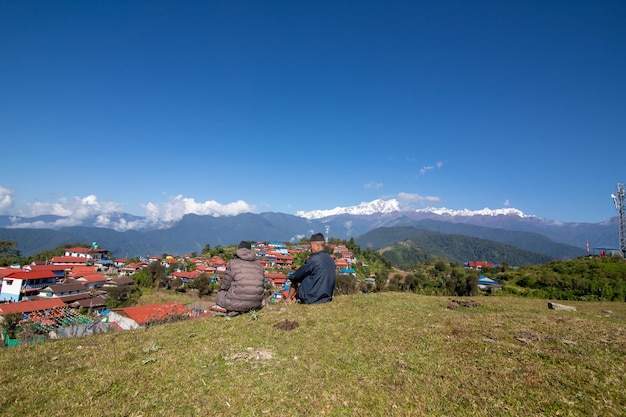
x,y
133,267
22,284
478,264
217,261
25,307
206,269
59,270
276,279
90,255
87,275
135,317
69,260
341,263
186,276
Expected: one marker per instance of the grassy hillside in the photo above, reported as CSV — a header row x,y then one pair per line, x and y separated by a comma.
x,y
406,246
393,354
533,242
590,278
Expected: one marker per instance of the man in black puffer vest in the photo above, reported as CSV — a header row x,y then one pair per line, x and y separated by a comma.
x,y
241,289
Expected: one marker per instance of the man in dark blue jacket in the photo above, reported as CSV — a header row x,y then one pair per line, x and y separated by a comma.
x,y
314,282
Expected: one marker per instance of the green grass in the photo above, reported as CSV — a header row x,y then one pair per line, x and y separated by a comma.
x,y
390,354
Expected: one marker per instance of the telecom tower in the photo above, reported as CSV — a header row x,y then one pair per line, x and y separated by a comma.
x,y
618,198
327,230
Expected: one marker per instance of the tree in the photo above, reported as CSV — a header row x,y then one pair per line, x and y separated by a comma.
x,y
410,282
177,284
157,273
345,284
143,279
8,249
202,284
441,265
123,296
12,324
381,280
395,282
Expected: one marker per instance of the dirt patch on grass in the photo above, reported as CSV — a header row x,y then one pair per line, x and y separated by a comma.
x,y
454,304
251,354
287,325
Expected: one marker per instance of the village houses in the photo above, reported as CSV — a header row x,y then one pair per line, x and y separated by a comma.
x,y
80,279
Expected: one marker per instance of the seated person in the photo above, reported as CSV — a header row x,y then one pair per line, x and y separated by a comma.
x,y
314,282
242,287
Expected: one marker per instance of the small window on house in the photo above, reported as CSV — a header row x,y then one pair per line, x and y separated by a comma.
x,y
9,281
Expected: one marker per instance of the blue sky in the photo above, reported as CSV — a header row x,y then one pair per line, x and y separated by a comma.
x,y
217,107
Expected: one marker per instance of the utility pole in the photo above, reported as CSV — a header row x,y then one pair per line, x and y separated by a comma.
x,y
618,199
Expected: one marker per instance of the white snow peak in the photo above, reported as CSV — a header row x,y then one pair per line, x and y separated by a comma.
x,y
390,206
365,208
442,211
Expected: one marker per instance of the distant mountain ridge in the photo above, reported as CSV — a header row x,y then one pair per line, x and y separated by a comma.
x,y
404,246
192,232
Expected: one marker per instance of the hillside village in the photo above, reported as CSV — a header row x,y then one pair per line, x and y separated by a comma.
x,y
69,295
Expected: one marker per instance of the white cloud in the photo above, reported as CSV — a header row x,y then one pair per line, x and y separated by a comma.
x,y
76,210
296,238
373,185
176,207
425,169
73,212
412,198
120,224
6,199
506,203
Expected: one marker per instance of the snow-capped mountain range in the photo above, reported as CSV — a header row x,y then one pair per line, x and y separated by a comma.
x,y
123,232
122,222
393,205
365,208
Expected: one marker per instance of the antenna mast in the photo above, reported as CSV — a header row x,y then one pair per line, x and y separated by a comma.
x,y
618,199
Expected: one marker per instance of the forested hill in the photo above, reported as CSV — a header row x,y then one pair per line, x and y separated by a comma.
x,y
405,246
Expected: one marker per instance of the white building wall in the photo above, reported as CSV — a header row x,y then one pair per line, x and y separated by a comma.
x,y
122,321
11,291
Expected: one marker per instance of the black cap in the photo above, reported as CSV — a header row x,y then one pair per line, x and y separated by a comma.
x,y
244,244
318,237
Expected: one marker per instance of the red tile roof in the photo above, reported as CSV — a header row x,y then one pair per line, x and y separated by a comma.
x,y
480,264
48,267
153,312
78,270
94,277
275,275
69,260
185,274
19,274
78,250
7,271
30,306
341,262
